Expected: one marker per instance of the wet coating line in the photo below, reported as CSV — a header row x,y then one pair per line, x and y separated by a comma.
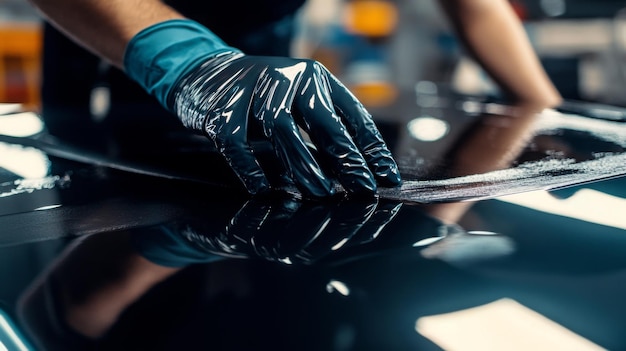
x,y
540,175
21,186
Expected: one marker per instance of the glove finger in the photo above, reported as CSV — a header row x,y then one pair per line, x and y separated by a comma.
x,y
365,134
275,171
272,107
291,148
228,129
314,107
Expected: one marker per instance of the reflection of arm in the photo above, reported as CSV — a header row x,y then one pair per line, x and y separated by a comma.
x,y
105,26
494,143
493,34
100,278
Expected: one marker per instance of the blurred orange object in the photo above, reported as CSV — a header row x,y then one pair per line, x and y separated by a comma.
x,y
20,55
375,94
371,18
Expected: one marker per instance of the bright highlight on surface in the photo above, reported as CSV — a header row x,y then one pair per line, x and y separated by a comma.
x,y
25,162
427,241
6,108
504,324
586,205
7,330
49,207
338,245
335,285
20,124
428,128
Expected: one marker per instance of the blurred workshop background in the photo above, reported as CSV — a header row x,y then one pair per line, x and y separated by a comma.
x,y
380,47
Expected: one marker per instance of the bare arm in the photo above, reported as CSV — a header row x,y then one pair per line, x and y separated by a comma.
x,y
104,26
493,34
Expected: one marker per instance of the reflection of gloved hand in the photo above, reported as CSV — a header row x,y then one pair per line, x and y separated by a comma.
x,y
291,231
234,99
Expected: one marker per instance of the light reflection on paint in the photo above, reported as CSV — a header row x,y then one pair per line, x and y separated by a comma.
x,y
481,232
285,260
340,287
25,162
504,324
7,329
6,108
49,207
585,205
471,107
428,128
20,124
22,186
469,248
340,244
610,131
427,241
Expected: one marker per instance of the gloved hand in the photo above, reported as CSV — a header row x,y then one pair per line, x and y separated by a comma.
x,y
234,99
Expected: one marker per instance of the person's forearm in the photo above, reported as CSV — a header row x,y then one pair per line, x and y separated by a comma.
x,y
495,37
104,26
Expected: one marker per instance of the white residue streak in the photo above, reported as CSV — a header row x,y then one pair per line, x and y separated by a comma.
x,y
540,175
21,186
545,174
610,131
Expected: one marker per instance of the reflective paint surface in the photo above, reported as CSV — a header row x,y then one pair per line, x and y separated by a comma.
x,y
112,256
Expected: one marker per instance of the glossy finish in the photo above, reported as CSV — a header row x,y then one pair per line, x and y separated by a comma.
x,y
110,256
237,99
454,148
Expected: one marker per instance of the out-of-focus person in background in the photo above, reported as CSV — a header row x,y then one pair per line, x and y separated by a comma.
x,y
223,69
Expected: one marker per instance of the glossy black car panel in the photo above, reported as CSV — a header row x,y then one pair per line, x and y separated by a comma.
x,y
142,251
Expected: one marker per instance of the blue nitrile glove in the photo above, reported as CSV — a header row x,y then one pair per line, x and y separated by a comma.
x,y
230,96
